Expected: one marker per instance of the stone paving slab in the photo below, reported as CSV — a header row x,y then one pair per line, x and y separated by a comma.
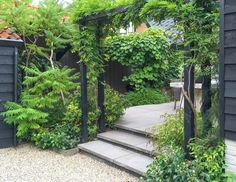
x,y
130,140
142,119
135,162
120,156
104,150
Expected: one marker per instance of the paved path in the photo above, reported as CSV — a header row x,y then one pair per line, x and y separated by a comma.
x,y
128,146
141,119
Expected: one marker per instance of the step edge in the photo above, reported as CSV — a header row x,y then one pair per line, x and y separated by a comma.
x,y
126,145
132,130
95,154
113,161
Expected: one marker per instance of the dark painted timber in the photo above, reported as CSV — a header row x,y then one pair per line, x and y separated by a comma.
x,y
84,101
8,87
188,112
101,86
101,98
228,69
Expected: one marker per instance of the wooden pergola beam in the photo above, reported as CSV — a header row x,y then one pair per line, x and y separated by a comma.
x,y
102,15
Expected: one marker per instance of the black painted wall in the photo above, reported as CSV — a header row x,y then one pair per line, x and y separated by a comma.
x,y
8,90
228,69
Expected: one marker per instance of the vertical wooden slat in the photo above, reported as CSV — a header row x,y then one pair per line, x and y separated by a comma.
x,y
222,72
15,88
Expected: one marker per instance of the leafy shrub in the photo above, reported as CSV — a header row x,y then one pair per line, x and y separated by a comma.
x,y
208,164
49,113
41,101
171,167
170,164
171,132
146,96
148,54
62,136
209,155
27,119
114,106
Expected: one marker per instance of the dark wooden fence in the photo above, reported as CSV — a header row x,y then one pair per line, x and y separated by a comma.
x,y
228,69
114,71
8,87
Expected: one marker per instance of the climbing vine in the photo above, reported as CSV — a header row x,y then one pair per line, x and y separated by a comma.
x,y
148,54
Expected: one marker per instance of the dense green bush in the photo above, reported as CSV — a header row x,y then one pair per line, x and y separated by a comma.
x,y
209,156
49,113
146,96
62,136
148,54
41,101
172,166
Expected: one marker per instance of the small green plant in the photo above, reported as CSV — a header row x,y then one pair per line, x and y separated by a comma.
x,y
171,132
146,96
62,136
207,153
114,106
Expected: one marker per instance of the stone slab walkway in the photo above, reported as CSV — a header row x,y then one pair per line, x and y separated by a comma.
x,y
128,146
142,119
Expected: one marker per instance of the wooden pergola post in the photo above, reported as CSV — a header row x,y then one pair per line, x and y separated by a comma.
x,y
84,97
189,86
101,86
100,18
188,112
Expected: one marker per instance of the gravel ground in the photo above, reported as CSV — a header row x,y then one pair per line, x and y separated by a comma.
x,y
26,163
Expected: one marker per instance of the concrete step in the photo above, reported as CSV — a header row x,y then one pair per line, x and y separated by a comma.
x,y
132,161
129,140
133,130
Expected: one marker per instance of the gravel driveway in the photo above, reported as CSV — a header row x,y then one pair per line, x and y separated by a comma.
x,y
29,164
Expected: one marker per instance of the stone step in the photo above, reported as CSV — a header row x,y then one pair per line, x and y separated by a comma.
x,y
129,140
147,133
122,157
